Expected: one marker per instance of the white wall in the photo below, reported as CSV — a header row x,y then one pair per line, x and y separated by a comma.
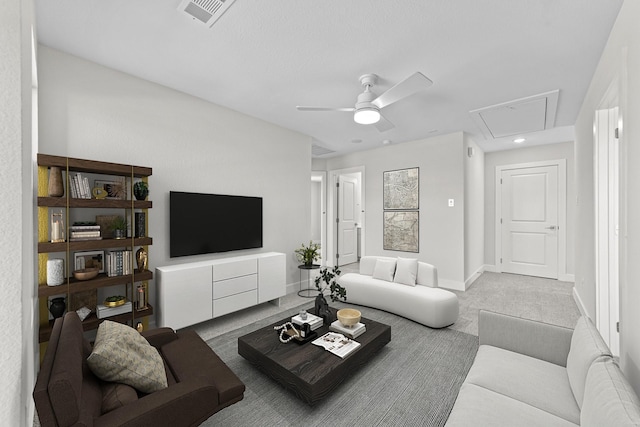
x,y
316,212
620,66
17,283
526,155
474,235
441,164
89,111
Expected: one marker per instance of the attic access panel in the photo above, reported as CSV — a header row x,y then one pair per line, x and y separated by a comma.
x,y
520,116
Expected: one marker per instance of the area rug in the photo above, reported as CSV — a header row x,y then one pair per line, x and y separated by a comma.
x,y
414,380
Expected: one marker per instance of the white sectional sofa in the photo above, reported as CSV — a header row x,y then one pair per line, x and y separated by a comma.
x,y
528,373
402,286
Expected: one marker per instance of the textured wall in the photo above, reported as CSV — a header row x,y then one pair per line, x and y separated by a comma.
x,y
90,111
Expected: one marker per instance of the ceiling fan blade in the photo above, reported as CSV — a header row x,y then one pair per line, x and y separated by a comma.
x,y
302,108
383,124
412,84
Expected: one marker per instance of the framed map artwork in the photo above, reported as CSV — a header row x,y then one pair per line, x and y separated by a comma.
x,y
401,231
401,189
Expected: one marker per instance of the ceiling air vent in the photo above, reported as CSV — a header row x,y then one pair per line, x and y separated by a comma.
x,y
205,11
317,150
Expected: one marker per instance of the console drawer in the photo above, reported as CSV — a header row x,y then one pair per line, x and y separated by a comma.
x,y
232,269
233,303
237,285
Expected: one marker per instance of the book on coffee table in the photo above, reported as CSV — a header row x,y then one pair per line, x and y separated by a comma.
x,y
348,331
314,321
337,344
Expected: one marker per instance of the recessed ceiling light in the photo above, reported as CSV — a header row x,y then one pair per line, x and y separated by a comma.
x,y
386,141
519,140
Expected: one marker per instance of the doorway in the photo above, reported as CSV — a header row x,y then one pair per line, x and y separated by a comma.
x,y
531,219
345,224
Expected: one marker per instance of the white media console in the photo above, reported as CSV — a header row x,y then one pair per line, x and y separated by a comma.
x,y
194,292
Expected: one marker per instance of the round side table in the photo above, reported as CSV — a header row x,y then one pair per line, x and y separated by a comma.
x,y
308,292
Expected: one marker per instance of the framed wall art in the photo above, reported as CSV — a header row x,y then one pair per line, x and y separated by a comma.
x,y
401,231
89,259
401,189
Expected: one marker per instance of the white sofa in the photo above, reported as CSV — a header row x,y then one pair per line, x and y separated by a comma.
x,y
402,286
528,373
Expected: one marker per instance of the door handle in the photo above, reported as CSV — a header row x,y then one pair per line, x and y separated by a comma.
x,y
552,227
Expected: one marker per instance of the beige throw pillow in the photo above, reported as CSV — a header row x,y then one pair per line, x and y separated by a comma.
x,y
384,269
406,271
120,354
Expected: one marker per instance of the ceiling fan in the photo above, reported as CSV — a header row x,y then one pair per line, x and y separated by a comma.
x,y
368,104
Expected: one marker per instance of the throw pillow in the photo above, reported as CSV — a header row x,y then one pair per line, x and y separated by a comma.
x,y
406,271
427,275
384,269
120,354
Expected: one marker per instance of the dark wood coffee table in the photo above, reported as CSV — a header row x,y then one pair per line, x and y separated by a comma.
x,y
309,371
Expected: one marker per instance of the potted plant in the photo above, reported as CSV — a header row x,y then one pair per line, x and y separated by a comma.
x,y
308,254
119,227
140,190
328,279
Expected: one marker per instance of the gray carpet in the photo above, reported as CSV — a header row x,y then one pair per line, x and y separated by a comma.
x,y
414,380
536,298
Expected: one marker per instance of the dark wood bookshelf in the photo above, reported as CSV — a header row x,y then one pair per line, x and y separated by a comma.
x,y
72,286
92,321
62,202
101,281
87,245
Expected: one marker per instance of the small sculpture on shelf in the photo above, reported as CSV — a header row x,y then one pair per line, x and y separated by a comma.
x,y
140,190
142,259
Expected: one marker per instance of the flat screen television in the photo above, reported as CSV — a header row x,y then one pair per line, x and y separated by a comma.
x,y
210,223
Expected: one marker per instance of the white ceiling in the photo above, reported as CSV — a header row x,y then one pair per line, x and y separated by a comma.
x,y
263,58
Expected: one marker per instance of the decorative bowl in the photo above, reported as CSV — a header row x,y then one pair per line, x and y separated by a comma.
x,y
349,316
115,301
86,273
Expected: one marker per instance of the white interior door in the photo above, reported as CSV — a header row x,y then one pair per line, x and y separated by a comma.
x,y
348,207
529,228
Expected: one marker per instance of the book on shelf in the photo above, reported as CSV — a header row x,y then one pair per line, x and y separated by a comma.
x,y
314,321
79,186
351,332
103,311
119,263
337,344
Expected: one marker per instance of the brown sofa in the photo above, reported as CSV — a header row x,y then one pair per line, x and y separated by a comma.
x,y
68,394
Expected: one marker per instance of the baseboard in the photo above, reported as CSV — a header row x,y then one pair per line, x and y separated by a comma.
x,y
567,277
451,284
578,301
491,268
473,277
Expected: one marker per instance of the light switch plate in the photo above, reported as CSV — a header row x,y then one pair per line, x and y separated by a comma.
x,y
451,203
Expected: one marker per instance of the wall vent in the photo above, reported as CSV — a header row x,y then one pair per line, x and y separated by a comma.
x,y
206,12
317,150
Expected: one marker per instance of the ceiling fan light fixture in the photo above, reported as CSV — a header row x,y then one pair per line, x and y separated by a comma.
x,y
366,116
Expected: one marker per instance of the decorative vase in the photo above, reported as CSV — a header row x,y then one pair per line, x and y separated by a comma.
x,y
57,307
322,309
140,190
142,259
55,272
56,187
140,221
